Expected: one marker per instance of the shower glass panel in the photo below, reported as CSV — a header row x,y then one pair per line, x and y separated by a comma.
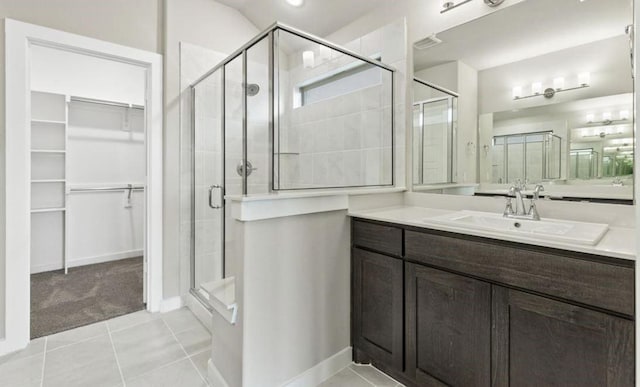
x,y
208,182
584,164
258,129
334,117
532,157
515,158
266,120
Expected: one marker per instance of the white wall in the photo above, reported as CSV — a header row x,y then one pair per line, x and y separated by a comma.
x,y
296,295
64,72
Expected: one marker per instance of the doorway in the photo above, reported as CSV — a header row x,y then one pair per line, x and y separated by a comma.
x,y
68,187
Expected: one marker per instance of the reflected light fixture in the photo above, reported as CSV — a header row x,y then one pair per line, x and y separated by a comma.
x,y
448,5
558,87
295,3
517,92
308,59
607,119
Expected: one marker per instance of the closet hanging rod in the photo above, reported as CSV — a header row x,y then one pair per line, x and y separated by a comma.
x,y
122,188
105,102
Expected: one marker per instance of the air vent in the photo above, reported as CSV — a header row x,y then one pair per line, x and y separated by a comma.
x,y
427,42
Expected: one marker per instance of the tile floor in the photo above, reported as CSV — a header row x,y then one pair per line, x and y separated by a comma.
x,y
139,349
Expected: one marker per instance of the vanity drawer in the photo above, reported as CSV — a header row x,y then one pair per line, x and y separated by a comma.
x,y
574,276
377,237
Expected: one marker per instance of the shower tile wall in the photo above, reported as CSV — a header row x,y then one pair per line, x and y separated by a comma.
x,y
344,141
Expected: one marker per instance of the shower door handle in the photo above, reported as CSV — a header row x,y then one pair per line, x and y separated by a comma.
x,y
211,188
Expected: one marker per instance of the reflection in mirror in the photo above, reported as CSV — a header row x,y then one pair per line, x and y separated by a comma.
x,y
554,103
435,118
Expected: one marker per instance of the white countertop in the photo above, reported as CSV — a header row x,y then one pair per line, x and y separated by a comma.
x,y
618,242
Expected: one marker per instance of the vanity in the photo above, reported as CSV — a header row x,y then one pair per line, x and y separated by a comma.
x,y
435,307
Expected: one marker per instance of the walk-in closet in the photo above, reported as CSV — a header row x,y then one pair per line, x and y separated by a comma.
x,y
87,180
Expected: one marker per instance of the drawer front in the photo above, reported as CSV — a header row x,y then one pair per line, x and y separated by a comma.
x,y
592,283
377,237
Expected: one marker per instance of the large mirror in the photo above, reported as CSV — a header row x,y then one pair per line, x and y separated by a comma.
x,y
543,93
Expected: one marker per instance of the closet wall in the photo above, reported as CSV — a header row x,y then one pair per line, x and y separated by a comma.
x,y
90,146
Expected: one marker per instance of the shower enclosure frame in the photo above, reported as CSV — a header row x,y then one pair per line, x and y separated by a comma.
x,y
273,123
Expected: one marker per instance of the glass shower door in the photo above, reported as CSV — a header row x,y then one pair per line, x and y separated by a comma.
x,y
207,247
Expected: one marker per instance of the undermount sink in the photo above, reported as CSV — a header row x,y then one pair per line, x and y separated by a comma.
x,y
582,233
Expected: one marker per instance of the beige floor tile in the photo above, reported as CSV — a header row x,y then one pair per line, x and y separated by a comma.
x,y
201,360
181,373
195,340
346,378
181,320
87,363
129,320
374,376
25,371
145,347
33,348
76,335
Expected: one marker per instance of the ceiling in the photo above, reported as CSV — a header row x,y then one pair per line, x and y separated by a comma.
x,y
318,17
526,30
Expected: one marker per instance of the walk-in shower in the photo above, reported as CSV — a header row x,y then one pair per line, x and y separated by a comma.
x,y
312,115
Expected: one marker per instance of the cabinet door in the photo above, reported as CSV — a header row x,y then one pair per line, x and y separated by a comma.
x,y
542,342
448,328
377,308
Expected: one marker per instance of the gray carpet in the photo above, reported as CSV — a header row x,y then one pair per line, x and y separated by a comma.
x,y
86,295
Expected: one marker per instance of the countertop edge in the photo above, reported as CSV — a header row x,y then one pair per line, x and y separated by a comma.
x,y
374,214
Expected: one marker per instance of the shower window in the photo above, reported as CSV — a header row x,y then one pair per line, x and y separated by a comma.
x,y
334,117
344,81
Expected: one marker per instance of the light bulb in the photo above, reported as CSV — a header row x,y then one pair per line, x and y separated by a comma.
x,y
584,79
325,53
590,117
308,59
517,92
558,83
295,3
606,116
536,88
624,114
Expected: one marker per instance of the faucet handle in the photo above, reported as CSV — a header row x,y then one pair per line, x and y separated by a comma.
x,y
508,208
536,191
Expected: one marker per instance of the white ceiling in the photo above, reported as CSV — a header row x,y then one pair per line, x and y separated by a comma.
x,y
525,30
318,17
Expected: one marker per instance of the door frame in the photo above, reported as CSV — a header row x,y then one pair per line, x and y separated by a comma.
x,y
19,36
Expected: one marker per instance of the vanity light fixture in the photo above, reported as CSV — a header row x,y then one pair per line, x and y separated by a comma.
x,y
607,118
558,86
448,5
295,3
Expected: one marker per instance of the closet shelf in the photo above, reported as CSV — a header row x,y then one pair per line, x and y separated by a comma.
x,y
49,181
49,121
48,151
53,209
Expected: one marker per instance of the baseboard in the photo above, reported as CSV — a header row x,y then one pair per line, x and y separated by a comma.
x,y
105,258
87,261
200,311
214,377
323,370
169,304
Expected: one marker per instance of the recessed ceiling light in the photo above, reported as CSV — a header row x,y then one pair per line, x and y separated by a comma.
x,y
295,3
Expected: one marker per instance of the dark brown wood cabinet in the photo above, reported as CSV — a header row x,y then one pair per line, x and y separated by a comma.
x,y
433,308
448,328
377,307
543,342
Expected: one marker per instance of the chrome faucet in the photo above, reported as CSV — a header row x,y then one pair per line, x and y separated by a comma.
x,y
520,212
